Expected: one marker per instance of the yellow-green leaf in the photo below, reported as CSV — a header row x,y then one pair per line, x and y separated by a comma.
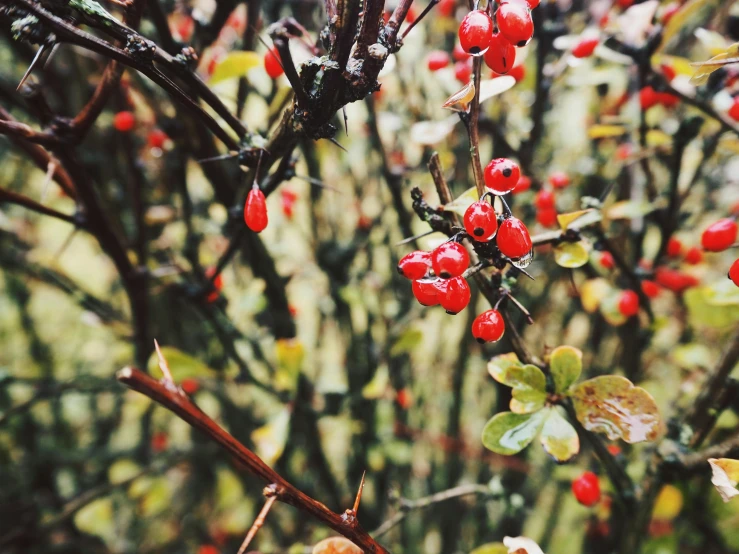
x,y
460,100
181,365
460,204
527,400
235,64
96,518
507,370
491,548
704,69
606,131
508,433
611,404
565,363
592,293
572,254
685,18
668,504
270,439
582,217
558,436
725,477
407,341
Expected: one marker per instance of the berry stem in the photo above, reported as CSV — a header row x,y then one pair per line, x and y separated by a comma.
x,y
471,122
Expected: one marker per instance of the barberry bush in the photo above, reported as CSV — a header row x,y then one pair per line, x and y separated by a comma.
x,y
366,276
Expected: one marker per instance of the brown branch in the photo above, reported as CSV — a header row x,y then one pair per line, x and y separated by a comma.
x,y
285,492
28,133
270,493
14,198
470,120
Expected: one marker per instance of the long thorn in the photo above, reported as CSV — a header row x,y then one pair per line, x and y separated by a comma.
x,y
163,363
257,523
318,183
35,60
337,144
346,124
359,494
411,239
218,158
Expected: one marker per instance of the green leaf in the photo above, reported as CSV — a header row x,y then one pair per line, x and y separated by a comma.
x,y
572,254
499,365
235,64
527,400
509,371
96,518
558,436
723,293
565,363
181,365
407,341
725,477
270,439
702,312
508,433
612,405
491,548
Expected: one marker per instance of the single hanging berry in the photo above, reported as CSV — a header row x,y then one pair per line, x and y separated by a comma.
x,y
463,72
544,199
157,138
272,63
694,255
426,292
515,23
501,175
475,32
450,260
524,184
481,221
457,295
628,303
586,489
217,284
585,47
650,288
674,247
513,238
734,272
123,122
559,179
606,260
501,55
719,236
415,265
546,217
488,326
437,60
255,210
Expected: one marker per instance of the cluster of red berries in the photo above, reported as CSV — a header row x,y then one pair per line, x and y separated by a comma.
x,y
586,489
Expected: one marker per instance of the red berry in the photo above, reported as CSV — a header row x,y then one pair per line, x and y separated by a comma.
x,y
694,255
426,292
459,54
437,60
624,3
415,265
669,12
650,288
450,260
501,175
445,8
255,210
586,489
533,3
481,221
720,235
217,285
606,260
674,247
524,184
614,449
648,97
190,386
544,199
501,55
628,303
624,151
518,73
457,295
585,47
668,71
734,110
475,32
559,179
734,272
513,238
546,217
488,326
673,280
272,63
411,15
159,441
208,549
515,23
124,122
404,398
668,100
157,138
463,72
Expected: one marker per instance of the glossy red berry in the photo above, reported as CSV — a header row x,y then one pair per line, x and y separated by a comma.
x,y
459,54
673,280
524,184
533,3
475,32
501,175
546,217
515,23
559,179
488,327
606,260
445,8
123,122
217,284
208,549
190,386
674,247
668,100
457,295
734,272
157,138
463,72
426,292
501,55
272,63
734,110
650,288
415,265
450,260
481,221
255,210
720,235
585,47
694,255
437,60
404,398
586,489
518,73
648,97
544,199
668,71
628,303
513,238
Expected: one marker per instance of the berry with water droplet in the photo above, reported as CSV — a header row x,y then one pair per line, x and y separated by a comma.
x,y
415,265
720,235
450,260
255,210
475,32
501,55
426,292
457,295
513,238
515,23
488,326
480,221
501,175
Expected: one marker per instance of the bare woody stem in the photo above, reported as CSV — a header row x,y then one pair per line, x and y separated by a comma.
x,y
473,130
178,403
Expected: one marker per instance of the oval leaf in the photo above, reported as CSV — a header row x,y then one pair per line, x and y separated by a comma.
x,y
508,433
558,436
429,133
725,477
336,545
235,64
509,372
571,254
565,363
527,400
611,404
494,87
583,218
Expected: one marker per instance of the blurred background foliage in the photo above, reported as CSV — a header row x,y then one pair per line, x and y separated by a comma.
x,y
371,380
